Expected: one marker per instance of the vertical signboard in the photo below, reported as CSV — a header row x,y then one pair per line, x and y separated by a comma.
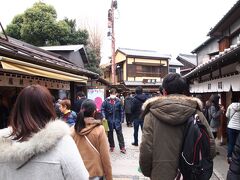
x,y
97,95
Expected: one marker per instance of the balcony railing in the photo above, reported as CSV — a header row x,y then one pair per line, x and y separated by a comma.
x,y
149,74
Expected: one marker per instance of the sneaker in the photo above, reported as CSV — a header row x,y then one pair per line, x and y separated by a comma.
x,y
111,149
123,150
135,144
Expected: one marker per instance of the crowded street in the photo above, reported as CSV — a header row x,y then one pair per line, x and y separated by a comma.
x,y
120,90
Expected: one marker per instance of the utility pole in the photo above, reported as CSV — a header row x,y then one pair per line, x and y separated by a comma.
x,y
111,33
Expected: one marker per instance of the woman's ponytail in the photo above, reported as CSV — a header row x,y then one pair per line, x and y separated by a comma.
x,y
87,110
80,123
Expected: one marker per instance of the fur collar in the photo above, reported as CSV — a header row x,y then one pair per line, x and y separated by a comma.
x,y
172,109
91,123
91,120
40,142
174,97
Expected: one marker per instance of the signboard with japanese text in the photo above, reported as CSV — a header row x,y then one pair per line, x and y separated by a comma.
x,y
17,80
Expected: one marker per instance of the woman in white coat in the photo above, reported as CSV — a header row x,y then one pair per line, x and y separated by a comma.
x,y
233,128
35,145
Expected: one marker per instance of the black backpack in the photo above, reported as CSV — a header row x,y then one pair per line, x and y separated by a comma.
x,y
195,161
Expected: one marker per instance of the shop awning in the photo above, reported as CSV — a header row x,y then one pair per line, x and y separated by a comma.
x,y
37,70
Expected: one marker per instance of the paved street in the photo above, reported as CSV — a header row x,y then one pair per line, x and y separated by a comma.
x,y
220,162
125,166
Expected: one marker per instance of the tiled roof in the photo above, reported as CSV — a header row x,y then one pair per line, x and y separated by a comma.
x,y
229,14
175,62
143,53
20,50
189,58
69,48
232,51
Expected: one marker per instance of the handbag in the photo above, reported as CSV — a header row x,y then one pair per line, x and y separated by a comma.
x,y
105,125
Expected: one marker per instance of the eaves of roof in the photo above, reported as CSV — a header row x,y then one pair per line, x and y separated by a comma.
x,y
221,57
188,69
226,17
103,81
186,61
175,63
74,48
148,57
143,54
120,87
20,51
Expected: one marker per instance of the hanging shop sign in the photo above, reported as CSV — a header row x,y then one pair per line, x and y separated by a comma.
x,y
17,80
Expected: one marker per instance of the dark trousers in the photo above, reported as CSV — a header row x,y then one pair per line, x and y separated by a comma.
x,y
128,118
136,124
119,137
232,137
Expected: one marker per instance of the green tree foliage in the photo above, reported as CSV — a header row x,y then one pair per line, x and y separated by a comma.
x,y
94,61
38,25
94,49
14,29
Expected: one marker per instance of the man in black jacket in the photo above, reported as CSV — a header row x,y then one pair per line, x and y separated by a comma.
x,y
78,103
128,109
138,101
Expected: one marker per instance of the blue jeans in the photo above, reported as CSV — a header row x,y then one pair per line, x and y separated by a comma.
x,y
232,137
136,124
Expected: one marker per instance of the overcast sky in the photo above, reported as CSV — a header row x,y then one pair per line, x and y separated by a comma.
x,y
169,26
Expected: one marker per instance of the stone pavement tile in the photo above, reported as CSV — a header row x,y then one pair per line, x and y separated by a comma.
x,y
126,165
220,162
214,177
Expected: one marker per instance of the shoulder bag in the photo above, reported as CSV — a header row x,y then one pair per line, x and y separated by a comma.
x,y
95,177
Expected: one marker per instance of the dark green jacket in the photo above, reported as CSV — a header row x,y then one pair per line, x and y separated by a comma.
x,y
162,138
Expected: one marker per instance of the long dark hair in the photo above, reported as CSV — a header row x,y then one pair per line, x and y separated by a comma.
x,y
215,101
87,110
32,111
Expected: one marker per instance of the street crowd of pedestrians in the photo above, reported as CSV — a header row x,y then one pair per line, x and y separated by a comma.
x,y
48,140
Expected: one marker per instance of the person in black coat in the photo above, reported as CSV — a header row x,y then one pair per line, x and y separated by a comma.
x,y
78,103
127,108
4,114
234,168
136,109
